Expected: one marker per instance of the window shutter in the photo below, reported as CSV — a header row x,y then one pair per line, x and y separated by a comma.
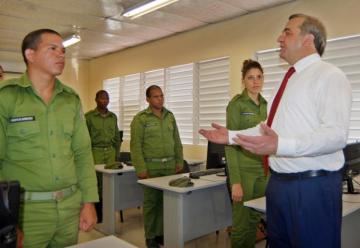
x,y
112,86
179,98
130,101
213,93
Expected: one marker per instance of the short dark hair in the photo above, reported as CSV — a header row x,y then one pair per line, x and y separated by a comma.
x,y
32,39
150,88
100,92
250,64
312,25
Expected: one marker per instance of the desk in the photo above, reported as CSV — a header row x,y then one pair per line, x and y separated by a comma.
x,y
350,237
106,242
193,211
120,191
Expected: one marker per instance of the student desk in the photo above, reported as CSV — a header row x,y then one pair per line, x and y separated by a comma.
x,y
350,237
106,242
194,211
120,191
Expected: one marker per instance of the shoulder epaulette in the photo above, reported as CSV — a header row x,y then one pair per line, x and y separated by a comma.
x,y
9,82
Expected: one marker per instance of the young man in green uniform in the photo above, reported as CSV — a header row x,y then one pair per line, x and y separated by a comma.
x,y
156,151
105,138
44,144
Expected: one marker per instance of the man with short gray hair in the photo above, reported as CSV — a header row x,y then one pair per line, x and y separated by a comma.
x,y
302,141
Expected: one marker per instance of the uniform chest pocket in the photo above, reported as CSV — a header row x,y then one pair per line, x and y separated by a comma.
x,y
171,126
110,129
23,129
68,130
249,119
152,129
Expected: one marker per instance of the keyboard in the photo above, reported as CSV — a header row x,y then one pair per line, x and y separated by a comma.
x,y
198,174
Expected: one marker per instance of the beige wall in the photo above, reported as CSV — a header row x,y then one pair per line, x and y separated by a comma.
x,y
238,38
76,75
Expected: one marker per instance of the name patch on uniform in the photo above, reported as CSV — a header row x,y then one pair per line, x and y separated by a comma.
x,y
150,125
22,119
247,113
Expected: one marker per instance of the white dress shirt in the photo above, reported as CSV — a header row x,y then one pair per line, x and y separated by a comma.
x,y
312,119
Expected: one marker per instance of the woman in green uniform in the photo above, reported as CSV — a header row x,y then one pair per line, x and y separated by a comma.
x,y
246,174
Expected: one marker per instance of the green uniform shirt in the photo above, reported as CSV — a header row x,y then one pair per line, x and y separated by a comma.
x,y
45,146
243,113
154,137
103,130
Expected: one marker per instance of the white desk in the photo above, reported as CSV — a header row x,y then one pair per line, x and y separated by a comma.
x,y
106,242
194,211
120,191
350,237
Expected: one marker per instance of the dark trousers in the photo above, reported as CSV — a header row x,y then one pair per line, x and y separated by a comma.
x,y
304,213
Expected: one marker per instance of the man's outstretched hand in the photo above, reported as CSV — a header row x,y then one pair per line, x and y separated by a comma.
x,y
266,144
219,135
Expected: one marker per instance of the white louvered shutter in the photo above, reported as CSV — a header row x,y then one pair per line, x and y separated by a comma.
x,y
130,100
213,93
112,86
179,98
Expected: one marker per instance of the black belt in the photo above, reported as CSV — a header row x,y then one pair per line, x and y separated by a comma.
x,y
301,175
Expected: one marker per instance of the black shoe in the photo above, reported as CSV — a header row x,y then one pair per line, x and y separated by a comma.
x,y
151,243
160,240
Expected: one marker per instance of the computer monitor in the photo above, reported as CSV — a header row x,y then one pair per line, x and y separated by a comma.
x,y
352,165
215,156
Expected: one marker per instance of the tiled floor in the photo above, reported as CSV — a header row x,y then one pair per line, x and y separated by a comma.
x,y
131,230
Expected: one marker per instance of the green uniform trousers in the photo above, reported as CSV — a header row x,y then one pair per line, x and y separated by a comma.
x,y
153,203
51,224
245,220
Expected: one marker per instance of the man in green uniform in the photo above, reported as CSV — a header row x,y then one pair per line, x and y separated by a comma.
x,y
156,151
44,144
105,138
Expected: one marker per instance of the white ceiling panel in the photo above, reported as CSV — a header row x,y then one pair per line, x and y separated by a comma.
x,y
133,30
102,28
207,11
99,8
164,20
30,12
254,4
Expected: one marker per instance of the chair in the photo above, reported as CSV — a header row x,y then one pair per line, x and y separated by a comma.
x,y
124,157
185,168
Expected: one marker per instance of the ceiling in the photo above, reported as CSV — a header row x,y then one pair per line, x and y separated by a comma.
x,y
101,26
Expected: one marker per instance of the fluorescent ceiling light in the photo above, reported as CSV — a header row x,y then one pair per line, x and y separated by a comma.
x,y
73,39
147,8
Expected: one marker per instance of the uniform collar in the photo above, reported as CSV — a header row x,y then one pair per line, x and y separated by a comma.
x,y
149,111
25,82
306,61
97,112
245,96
